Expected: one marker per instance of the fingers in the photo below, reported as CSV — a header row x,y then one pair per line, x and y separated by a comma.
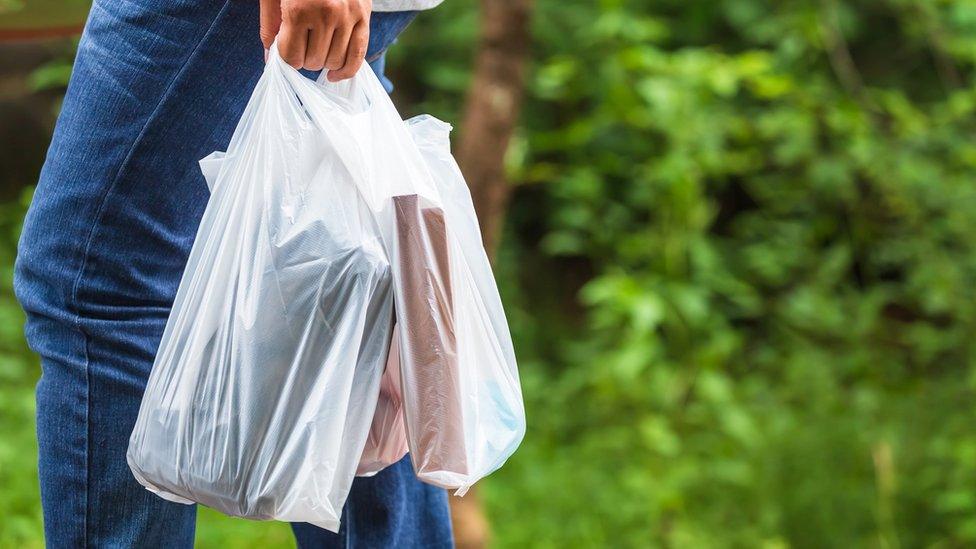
x,y
340,44
270,21
355,54
292,42
319,41
317,34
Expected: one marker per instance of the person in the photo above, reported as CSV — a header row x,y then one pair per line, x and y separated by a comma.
x,y
157,85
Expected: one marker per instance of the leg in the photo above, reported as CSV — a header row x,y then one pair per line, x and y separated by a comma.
x,y
105,240
85,412
390,509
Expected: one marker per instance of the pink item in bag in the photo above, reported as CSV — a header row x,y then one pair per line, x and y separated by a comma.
x,y
386,443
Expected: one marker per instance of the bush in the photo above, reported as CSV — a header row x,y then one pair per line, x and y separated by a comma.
x,y
740,271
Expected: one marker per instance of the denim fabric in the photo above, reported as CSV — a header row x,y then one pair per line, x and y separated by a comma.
x,y
157,84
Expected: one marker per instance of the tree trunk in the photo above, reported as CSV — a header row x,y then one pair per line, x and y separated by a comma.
x,y
491,113
492,110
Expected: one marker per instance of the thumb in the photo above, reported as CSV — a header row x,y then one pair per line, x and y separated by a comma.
x,y
270,21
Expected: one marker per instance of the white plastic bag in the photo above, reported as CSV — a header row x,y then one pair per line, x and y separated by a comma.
x,y
463,402
386,441
266,379
466,408
265,387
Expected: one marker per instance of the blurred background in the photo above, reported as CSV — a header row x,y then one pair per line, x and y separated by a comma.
x,y
735,239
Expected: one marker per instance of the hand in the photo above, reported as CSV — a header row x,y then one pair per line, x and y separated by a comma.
x,y
318,34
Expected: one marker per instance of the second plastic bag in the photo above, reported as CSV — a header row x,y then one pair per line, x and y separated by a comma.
x,y
458,400
462,399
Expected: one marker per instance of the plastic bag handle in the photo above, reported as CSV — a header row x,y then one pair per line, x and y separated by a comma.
x,y
340,94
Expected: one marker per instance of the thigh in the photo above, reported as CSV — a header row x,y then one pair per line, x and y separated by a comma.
x,y
156,85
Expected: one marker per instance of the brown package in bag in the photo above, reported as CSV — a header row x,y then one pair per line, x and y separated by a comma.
x,y
429,367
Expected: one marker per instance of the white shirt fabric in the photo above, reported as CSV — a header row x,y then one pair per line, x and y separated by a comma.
x,y
404,5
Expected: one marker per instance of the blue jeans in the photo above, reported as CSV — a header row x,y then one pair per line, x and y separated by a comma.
x,y
157,84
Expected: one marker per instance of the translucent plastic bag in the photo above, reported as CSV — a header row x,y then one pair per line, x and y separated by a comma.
x,y
267,376
266,386
463,403
386,441
457,437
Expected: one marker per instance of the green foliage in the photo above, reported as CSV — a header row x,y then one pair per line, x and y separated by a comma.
x,y
51,75
738,267
42,14
765,210
20,524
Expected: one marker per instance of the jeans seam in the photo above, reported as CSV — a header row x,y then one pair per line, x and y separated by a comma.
x,y
103,200
88,437
96,221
